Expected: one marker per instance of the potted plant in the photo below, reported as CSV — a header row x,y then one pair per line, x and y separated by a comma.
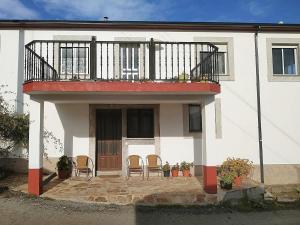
x,y
166,169
239,167
175,170
185,168
226,179
183,77
64,167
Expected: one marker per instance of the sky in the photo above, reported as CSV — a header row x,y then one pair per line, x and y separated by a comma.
x,y
270,11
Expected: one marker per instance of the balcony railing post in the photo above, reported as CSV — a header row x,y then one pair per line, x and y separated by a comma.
x,y
151,59
93,59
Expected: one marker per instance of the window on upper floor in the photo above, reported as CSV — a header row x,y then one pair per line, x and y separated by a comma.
x,y
74,60
284,60
222,67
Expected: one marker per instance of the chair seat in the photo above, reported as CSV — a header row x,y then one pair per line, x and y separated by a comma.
x,y
83,168
135,168
154,168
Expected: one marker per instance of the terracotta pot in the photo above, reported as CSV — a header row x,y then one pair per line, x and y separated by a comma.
x,y
64,174
175,173
186,173
238,181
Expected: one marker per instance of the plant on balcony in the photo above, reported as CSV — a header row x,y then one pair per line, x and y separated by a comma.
x,y
146,80
185,168
175,170
64,167
183,77
166,169
75,78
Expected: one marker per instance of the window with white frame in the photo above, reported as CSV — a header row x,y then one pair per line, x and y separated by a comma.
x,y
222,59
284,60
74,60
130,61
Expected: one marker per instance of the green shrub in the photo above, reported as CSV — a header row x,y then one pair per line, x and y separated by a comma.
x,y
185,166
64,163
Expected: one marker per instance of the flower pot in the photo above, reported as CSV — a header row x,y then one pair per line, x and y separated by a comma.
x,y
186,173
167,173
175,173
238,181
225,185
64,174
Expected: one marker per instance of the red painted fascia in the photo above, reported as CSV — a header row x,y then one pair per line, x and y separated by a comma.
x,y
119,86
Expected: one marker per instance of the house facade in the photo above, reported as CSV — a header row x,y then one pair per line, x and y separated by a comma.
x,y
183,91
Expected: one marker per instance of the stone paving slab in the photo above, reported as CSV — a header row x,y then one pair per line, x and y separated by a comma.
x,y
118,190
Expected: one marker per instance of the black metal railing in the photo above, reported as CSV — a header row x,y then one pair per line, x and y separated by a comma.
x,y
51,60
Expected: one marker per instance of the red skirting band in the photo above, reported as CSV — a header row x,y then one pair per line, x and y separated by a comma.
x,y
210,179
35,179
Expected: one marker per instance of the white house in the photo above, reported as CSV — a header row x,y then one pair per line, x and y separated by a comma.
x,y
184,91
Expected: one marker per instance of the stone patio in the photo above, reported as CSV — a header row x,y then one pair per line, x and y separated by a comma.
x,y
118,190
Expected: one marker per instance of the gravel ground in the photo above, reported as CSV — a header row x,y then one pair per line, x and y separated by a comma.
x,y
16,208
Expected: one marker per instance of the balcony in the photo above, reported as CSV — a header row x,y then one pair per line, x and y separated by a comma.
x,y
118,66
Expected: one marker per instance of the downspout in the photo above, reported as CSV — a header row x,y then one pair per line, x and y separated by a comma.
x,y
261,158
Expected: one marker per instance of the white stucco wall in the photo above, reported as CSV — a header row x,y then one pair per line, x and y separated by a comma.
x,y
141,150
280,112
174,147
238,106
280,107
70,124
9,51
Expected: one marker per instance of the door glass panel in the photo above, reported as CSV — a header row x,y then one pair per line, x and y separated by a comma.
x,y
277,60
195,119
221,63
289,61
130,62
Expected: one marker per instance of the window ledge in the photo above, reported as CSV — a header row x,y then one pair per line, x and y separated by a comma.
x,y
139,139
227,77
285,75
283,78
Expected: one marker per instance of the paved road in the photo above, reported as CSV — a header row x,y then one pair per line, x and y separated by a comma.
x,y
25,211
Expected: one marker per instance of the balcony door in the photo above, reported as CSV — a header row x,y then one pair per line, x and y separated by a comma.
x,y
109,139
130,61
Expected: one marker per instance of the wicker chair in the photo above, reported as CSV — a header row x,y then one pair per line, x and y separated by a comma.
x,y
154,164
135,164
84,164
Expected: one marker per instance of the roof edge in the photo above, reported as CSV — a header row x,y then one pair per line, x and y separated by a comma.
x,y
144,25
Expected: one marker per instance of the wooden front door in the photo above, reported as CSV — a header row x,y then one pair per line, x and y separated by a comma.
x,y
109,139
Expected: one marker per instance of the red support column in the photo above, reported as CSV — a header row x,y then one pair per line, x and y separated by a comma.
x,y
210,179
35,181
